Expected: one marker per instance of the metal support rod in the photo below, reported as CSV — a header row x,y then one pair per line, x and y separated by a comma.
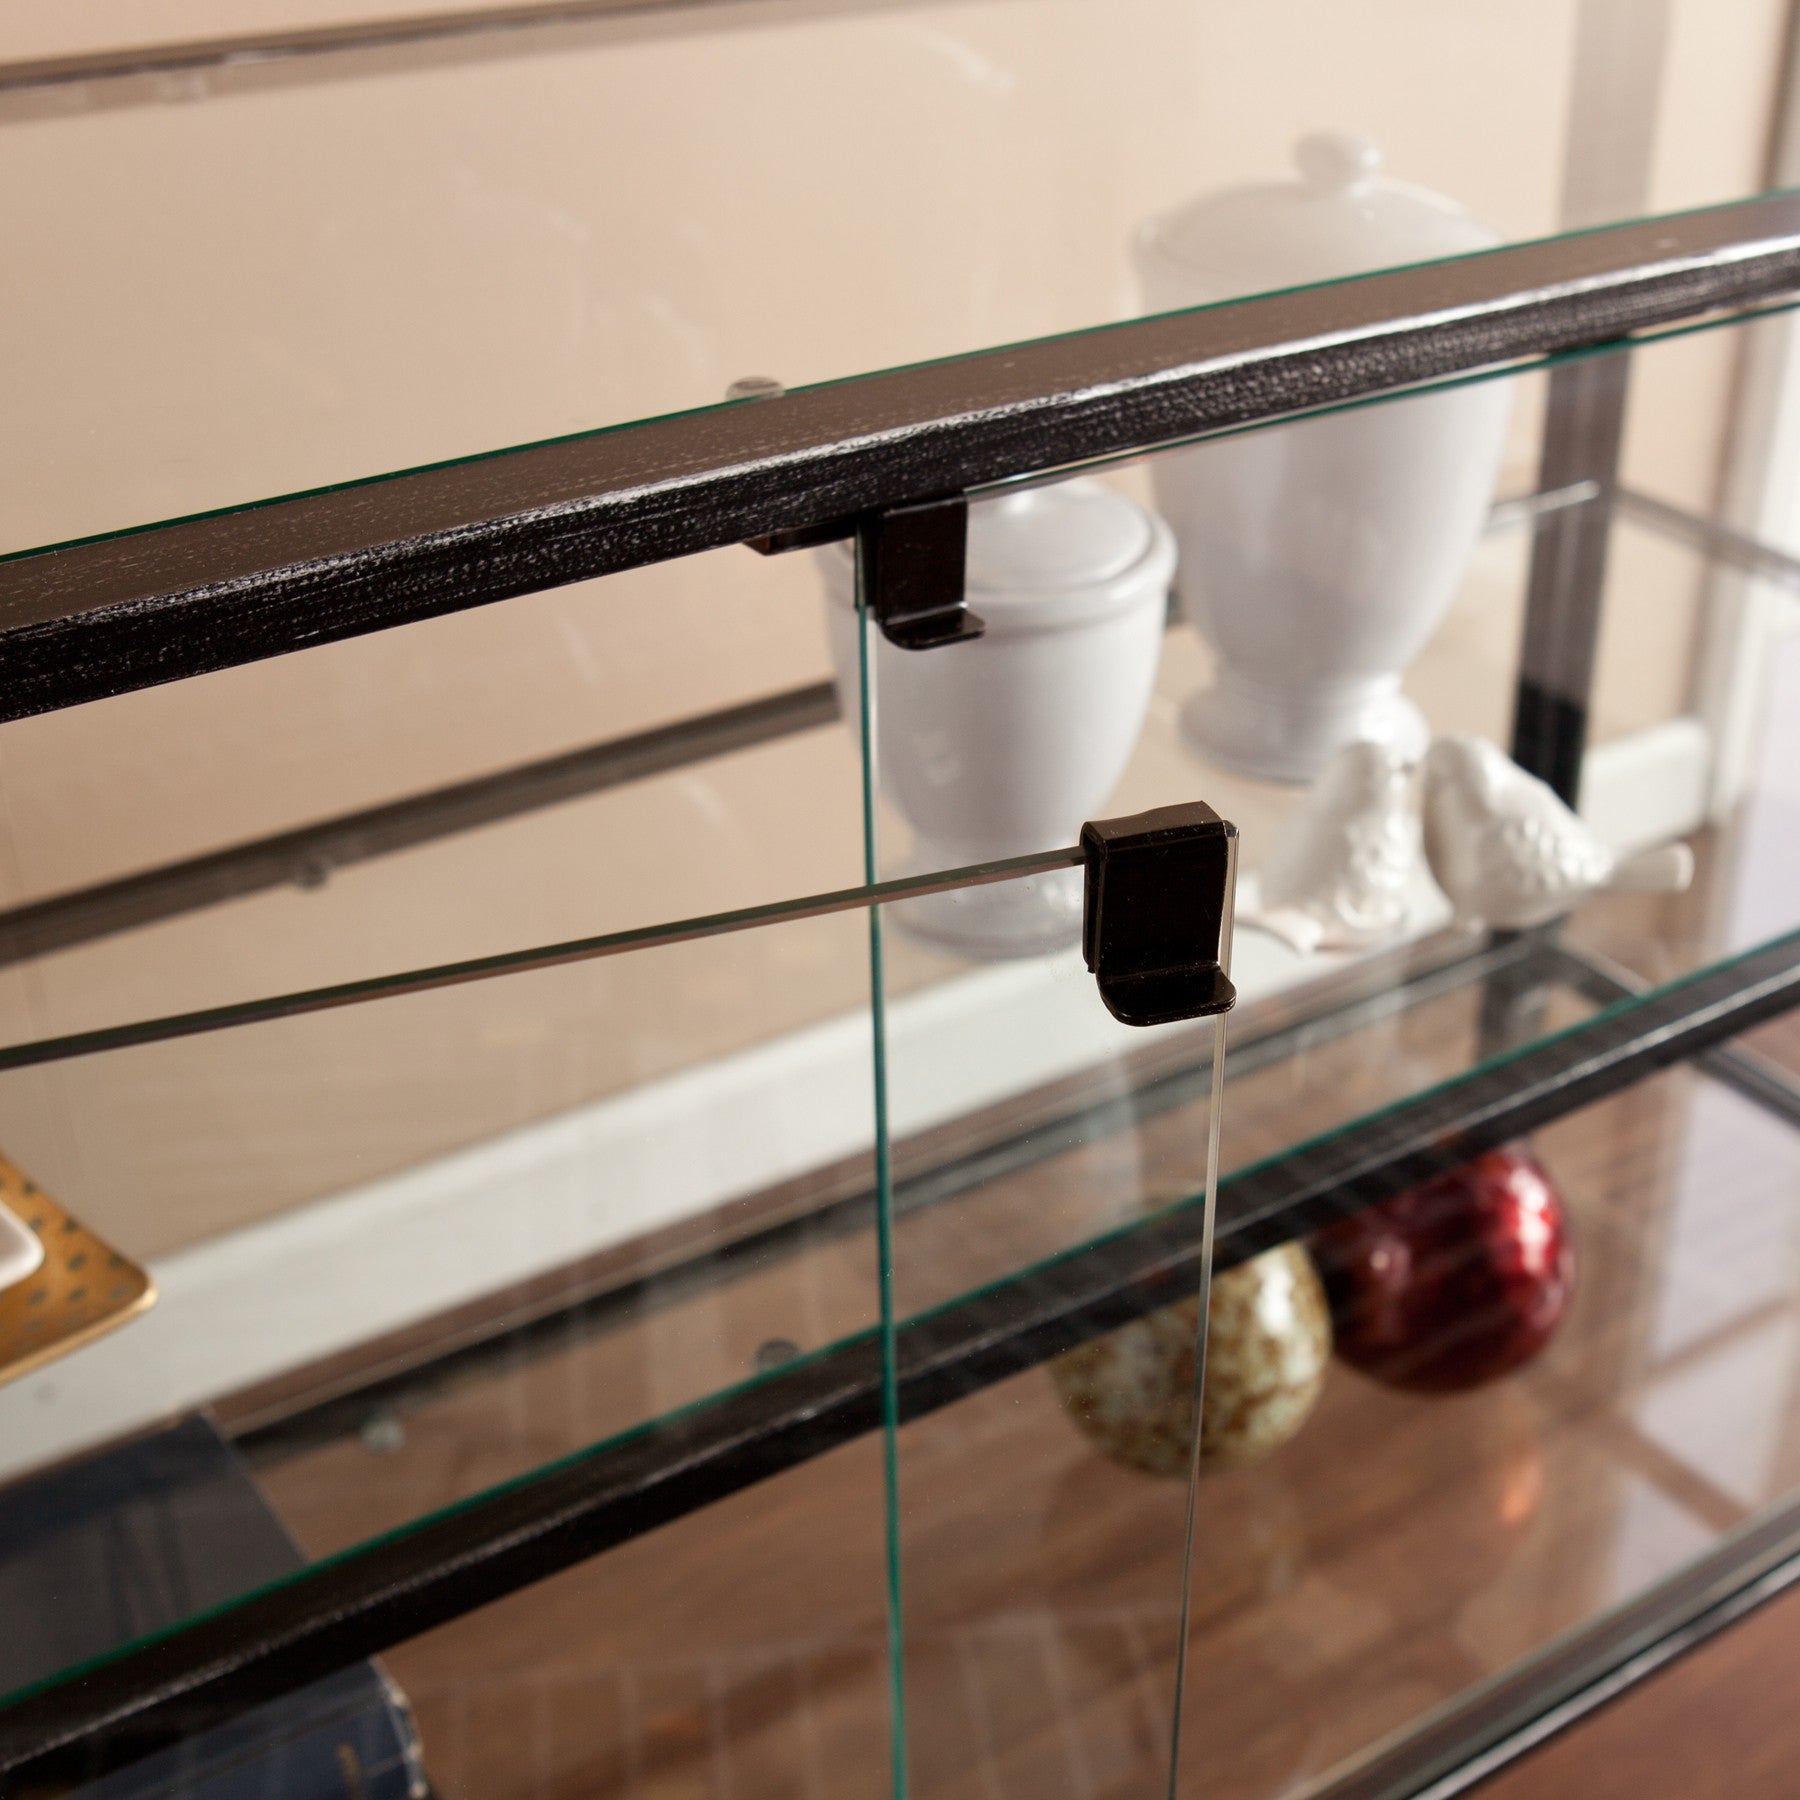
x,y
258,50
522,962
1721,542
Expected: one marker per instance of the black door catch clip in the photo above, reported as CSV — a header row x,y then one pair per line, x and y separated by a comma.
x,y
1157,919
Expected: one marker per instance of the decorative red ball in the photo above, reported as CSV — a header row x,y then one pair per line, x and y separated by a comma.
x,y
1452,1283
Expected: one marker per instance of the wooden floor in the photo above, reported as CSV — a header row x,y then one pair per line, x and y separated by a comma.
x,y
1721,1724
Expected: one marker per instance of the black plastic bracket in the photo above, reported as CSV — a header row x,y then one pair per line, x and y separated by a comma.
x,y
1158,907
914,561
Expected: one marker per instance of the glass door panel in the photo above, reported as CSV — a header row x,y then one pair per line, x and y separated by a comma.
x,y
1049,1254
428,1258
1048,1249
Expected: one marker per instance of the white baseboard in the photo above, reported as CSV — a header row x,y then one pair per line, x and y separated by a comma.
x,y
1651,786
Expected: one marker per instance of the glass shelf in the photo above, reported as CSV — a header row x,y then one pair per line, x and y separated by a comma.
x,y
482,1383
1005,1477
1338,1596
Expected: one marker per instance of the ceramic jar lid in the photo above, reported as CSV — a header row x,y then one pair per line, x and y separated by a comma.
x,y
1075,534
1051,557
1339,216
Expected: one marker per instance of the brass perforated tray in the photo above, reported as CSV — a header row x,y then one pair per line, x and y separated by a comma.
x,y
82,1289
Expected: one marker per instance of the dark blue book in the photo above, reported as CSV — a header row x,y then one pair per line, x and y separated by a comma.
x,y
137,1538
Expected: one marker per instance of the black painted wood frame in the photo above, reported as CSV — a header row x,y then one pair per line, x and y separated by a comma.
x,y
111,614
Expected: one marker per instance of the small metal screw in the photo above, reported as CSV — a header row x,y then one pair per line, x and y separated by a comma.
x,y
755,387
383,1433
181,87
772,1353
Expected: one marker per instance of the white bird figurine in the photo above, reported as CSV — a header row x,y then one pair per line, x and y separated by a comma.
x,y
1345,866
1510,854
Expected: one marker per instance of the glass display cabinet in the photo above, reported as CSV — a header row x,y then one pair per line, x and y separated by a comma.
x,y
892,903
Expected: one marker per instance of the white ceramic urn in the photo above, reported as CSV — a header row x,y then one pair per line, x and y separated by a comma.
x,y
1317,558
1007,743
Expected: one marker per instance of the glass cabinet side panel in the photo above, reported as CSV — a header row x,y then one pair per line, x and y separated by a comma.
x,y
1334,631
739,1649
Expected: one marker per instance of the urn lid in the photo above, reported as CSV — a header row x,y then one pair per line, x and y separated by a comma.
x,y
1339,216
1073,534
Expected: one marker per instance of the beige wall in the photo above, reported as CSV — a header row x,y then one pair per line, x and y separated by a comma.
x,y
282,283
270,289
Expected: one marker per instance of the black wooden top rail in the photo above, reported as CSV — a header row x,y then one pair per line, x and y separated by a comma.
x,y
127,611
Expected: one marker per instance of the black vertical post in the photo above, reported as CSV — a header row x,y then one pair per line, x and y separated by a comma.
x,y
1583,431
1620,52
1582,437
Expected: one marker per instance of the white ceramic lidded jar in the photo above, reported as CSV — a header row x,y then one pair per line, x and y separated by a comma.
x,y
1008,743
1318,557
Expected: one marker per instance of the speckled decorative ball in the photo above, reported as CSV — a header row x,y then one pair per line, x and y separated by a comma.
x,y
1131,1393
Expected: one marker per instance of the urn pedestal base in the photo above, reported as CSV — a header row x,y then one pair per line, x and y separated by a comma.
x,y
1286,734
